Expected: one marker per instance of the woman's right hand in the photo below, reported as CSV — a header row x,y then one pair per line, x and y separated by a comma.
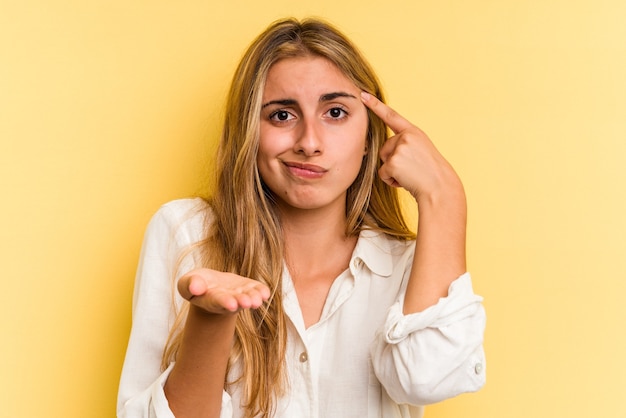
x,y
195,385
221,293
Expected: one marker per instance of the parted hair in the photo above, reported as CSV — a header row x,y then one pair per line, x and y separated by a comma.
x,y
244,234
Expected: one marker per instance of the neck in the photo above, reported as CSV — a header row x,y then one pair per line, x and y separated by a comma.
x,y
313,237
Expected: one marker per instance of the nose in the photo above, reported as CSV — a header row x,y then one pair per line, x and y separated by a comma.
x,y
308,141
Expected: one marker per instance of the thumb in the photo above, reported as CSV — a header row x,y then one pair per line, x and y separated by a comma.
x,y
190,286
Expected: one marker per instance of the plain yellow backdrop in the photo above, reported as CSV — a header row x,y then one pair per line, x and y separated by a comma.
x,y
110,108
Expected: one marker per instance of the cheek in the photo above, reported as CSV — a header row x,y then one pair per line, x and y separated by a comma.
x,y
262,162
354,153
267,146
272,140
269,149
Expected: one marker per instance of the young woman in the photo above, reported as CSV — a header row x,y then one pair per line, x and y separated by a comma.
x,y
297,289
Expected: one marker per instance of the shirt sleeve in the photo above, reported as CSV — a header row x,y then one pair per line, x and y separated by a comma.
x,y
152,403
171,231
436,354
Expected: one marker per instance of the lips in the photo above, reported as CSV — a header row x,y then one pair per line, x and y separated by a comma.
x,y
305,170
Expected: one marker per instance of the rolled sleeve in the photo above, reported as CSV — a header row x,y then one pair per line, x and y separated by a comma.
x,y
152,403
426,357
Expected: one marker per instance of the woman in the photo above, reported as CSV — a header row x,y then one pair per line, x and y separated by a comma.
x,y
298,290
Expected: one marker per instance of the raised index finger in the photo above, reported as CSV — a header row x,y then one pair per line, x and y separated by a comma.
x,y
392,118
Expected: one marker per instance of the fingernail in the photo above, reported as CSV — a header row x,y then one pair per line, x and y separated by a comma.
x,y
365,95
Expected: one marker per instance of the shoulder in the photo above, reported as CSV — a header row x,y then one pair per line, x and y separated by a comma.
x,y
382,253
379,242
183,218
184,208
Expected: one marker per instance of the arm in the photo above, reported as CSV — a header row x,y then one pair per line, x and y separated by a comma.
x,y
175,227
410,160
439,246
196,383
431,345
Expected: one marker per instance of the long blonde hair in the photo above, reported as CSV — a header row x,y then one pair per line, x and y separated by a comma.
x,y
244,233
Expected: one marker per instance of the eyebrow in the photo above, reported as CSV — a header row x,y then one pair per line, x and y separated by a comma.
x,y
283,102
323,98
331,96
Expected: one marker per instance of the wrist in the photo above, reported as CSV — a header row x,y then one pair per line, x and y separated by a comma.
x,y
201,315
450,196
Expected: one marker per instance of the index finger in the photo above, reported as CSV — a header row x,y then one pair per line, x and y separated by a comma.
x,y
392,118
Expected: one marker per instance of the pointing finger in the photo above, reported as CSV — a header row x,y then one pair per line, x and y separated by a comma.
x,y
392,118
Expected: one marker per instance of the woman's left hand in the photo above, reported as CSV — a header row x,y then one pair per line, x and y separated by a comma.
x,y
410,159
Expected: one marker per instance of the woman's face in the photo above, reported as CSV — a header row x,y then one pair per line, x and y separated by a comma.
x,y
312,134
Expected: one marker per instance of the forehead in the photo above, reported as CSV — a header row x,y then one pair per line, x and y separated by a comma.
x,y
306,75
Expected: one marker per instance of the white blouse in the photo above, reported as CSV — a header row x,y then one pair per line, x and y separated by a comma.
x,y
364,358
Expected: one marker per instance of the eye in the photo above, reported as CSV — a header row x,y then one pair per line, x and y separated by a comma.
x,y
281,116
337,113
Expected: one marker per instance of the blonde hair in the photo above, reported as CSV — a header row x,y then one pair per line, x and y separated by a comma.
x,y
244,233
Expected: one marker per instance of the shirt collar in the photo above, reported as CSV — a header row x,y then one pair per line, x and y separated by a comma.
x,y
370,250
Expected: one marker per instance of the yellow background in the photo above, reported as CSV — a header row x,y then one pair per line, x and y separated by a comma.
x,y
108,108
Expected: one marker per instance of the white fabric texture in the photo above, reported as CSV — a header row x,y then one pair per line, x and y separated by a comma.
x,y
364,358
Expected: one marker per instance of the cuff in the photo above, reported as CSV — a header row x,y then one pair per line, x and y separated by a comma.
x,y
162,408
460,303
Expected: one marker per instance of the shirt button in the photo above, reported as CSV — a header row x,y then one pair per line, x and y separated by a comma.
x,y
303,357
478,368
